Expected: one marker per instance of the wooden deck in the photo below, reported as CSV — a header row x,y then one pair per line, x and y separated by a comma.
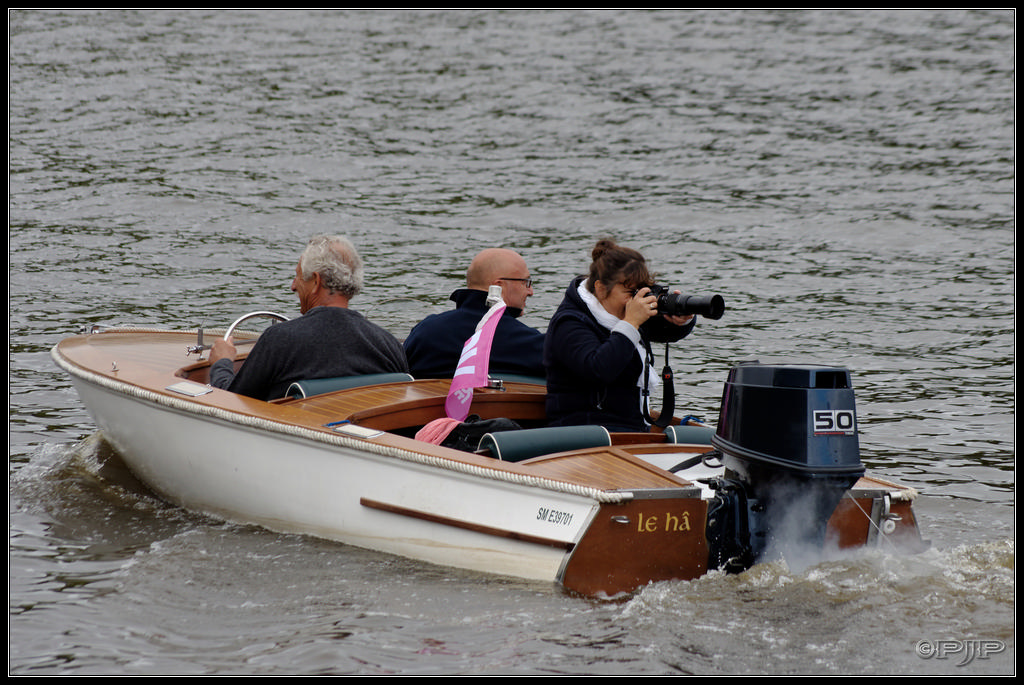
x,y
156,360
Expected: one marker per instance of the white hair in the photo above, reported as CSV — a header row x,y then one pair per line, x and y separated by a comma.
x,y
336,260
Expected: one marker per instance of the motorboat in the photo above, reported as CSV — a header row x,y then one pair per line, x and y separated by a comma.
x,y
597,513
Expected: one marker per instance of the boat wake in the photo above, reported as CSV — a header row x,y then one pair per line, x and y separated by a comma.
x,y
64,479
940,611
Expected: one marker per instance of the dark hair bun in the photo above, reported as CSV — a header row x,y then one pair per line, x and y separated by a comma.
x,y
604,245
613,263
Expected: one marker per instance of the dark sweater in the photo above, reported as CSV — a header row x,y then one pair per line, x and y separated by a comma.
x,y
435,344
592,372
326,342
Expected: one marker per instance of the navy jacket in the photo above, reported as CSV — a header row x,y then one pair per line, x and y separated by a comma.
x,y
592,372
435,344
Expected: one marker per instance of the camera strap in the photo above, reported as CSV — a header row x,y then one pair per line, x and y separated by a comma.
x,y
668,395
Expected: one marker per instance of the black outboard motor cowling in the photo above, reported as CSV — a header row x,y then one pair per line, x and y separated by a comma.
x,y
788,434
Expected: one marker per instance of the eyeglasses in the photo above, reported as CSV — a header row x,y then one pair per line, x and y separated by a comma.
x,y
527,281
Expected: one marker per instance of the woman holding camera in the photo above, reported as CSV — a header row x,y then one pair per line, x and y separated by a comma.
x,y
598,343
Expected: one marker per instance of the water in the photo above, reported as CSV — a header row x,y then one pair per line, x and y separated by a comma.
x,y
844,179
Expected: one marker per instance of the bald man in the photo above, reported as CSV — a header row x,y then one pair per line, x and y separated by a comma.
x,y
435,344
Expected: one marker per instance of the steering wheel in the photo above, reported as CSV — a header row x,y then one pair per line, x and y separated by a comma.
x,y
251,315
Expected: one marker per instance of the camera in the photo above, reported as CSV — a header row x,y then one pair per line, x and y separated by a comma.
x,y
679,304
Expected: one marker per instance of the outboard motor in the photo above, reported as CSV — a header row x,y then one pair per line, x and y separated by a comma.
x,y
788,439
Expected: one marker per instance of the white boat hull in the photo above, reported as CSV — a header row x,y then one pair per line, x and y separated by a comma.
x,y
300,484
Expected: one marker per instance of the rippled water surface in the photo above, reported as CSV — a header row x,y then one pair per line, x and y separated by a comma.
x,y
844,179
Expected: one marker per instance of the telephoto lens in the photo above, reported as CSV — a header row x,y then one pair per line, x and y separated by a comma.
x,y
680,304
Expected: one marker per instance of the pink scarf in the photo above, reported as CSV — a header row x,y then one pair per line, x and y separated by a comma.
x,y
472,369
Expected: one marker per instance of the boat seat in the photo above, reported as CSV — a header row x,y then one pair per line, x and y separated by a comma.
x,y
318,386
519,445
689,435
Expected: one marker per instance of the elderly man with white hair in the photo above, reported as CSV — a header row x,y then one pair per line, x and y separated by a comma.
x,y
329,340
